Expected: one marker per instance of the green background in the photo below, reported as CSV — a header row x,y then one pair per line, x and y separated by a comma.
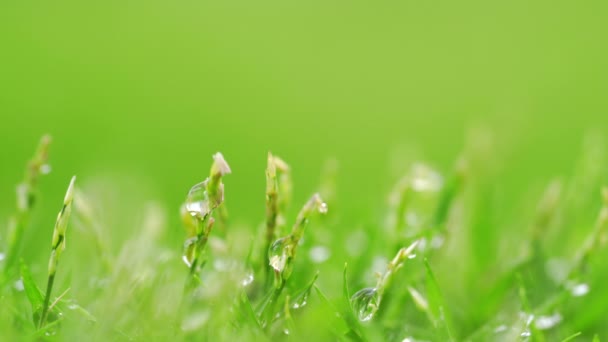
x,y
142,93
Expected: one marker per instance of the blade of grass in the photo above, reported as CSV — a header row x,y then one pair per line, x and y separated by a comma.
x,y
58,246
437,308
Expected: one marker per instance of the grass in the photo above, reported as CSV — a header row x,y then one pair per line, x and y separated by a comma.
x,y
446,265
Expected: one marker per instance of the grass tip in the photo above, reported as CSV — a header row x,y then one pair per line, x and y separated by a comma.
x,y
220,166
69,195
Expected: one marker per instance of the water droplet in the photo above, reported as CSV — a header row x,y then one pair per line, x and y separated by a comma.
x,y
365,303
18,285
319,254
425,179
323,208
45,169
189,248
278,253
500,328
558,269
224,264
186,260
301,300
437,241
412,219
548,322
579,290
197,201
2,256
247,280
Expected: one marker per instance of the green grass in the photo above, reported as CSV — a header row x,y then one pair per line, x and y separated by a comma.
x,y
445,264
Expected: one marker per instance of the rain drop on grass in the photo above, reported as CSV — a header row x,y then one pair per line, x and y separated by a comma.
x,y
319,254
301,300
247,280
425,179
197,201
188,251
547,322
45,169
18,285
277,254
323,208
365,303
579,290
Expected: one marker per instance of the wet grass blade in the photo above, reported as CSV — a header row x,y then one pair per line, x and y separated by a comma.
x,y
572,337
33,293
437,307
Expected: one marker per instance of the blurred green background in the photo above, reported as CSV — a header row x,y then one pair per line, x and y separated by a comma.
x,y
145,92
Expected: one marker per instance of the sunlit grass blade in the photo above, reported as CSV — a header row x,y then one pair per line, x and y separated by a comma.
x,y
33,293
573,337
58,246
437,308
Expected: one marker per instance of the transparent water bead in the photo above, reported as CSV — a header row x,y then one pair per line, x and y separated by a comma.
x,y
323,208
18,285
189,247
197,201
45,169
319,254
301,300
278,253
365,303
499,329
548,322
579,290
248,279
425,179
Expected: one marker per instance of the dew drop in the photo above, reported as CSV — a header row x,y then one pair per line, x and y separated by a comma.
x,y
579,290
425,179
301,300
189,247
18,285
547,322
365,303
437,241
319,254
197,201
247,280
323,208
278,254
186,260
45,169
500,328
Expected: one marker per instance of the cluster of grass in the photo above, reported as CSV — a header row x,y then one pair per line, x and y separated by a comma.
x,y
447,265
